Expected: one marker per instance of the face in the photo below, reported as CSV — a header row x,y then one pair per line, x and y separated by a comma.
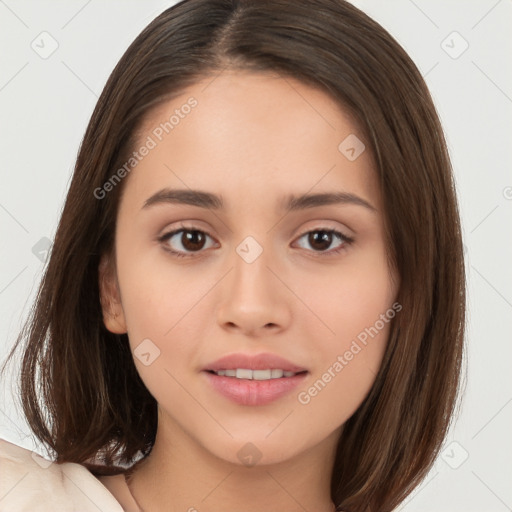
x,y
249,272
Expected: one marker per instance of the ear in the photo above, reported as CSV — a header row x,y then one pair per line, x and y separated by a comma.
x,y
110,298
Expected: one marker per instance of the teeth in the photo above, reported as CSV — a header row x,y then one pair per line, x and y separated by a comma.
x,y
245,373
241,373
261,374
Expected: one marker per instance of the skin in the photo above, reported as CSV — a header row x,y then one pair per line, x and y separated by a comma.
x,y
252,138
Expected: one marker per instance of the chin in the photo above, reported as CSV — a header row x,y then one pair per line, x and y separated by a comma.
x,y
260,449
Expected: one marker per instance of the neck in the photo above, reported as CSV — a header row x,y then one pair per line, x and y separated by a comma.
x,y
181,475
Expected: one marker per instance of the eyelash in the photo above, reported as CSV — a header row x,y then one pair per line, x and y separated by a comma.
x,y
347,240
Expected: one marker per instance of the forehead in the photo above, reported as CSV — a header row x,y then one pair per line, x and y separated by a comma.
x,y
260,133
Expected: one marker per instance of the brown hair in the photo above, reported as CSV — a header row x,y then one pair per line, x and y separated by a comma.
x,y
95,407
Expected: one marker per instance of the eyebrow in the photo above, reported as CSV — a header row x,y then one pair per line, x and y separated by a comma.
x,y
289,204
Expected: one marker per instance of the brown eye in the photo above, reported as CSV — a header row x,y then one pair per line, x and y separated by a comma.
x,y
192,240
320,240
184,241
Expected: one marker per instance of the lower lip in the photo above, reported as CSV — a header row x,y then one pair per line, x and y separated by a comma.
x,y
254,392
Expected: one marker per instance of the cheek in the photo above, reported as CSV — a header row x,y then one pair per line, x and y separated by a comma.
x,y
156,295
363,314
349,297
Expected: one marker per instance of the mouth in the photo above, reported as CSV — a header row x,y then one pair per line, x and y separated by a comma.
x,y
254,379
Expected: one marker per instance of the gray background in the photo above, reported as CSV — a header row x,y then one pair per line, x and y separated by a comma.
x,y
46,102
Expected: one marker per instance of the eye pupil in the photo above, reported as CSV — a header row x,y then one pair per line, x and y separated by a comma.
x,y
324,237
190,239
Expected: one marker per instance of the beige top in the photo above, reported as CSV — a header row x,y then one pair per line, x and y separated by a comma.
x,y
28,482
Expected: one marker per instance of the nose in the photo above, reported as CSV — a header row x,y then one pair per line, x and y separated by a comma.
x,y
253,300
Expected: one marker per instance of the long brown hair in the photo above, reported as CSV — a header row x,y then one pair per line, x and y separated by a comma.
x,y
79,387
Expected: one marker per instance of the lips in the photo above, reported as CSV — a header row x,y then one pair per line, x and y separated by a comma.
x,y
254,379
254,362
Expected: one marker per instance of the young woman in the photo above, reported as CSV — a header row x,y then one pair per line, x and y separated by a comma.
x,y
255,297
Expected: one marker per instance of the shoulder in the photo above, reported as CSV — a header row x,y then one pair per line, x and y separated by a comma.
x,y
29,482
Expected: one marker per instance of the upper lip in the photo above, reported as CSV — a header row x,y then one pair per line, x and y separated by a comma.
x,y
254,362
